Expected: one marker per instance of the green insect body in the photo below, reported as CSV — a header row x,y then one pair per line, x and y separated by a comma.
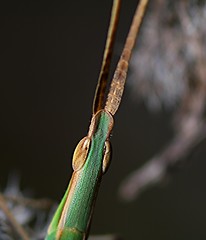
x,y
73,215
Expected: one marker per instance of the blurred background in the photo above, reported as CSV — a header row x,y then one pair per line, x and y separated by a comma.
x,y
51,55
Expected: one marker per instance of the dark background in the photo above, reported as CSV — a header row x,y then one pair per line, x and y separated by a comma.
x,y
50,59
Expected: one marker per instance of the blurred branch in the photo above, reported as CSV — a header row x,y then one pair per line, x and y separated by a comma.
x,y
15,225
189,121
17,210
43,204
156,169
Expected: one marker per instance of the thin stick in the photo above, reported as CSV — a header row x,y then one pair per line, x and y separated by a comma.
x,y
16,226
104,72
118,81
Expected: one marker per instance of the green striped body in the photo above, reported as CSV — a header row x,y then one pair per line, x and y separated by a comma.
x,y
72,218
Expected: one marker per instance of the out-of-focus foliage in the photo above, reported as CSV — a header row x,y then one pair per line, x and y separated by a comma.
x,y
171,44
168,69
33,215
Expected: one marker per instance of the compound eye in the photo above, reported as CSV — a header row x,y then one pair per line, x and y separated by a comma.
x,y
107,156
80,153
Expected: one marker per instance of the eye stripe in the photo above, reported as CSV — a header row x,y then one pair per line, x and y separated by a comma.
x,y
107,156
80,153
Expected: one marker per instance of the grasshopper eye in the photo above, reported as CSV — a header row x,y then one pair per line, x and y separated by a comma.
x,y
107,156
80,153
